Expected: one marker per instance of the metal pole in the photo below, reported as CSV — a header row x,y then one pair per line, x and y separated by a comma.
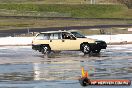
x,y
28,30
93,1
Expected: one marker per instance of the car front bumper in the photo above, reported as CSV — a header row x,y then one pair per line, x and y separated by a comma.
x,y
99,45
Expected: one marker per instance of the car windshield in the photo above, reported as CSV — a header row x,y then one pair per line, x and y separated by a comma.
x,y
78,35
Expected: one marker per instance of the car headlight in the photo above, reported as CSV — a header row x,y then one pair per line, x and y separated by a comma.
x,y
96,42
101,42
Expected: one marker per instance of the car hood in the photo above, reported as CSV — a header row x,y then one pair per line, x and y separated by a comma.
x,y
90,40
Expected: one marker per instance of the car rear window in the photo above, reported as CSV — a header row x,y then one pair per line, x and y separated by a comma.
x,y
42,37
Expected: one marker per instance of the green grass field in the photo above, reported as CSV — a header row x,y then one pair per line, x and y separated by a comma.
x,y
66,10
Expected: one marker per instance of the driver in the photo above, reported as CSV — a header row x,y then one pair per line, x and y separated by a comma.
x,y
65,36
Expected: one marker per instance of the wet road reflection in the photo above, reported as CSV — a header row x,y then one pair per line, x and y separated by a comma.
x,y
20,65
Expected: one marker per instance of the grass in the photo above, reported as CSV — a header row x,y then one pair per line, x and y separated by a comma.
x,y
68,10
57,22
62,10
57,1
14,23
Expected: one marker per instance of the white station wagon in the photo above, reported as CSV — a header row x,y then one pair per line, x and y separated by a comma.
x,y
46,42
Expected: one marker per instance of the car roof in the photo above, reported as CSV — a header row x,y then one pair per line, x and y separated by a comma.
x,y
73,30
54,32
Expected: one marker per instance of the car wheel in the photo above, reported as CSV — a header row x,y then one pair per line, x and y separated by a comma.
x,y
86,48
96,51
45,49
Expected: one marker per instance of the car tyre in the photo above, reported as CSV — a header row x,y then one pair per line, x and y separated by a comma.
x,y
86,48
45,49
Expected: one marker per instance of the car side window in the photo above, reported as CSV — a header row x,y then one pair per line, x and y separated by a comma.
x,y
66,36
46,37
39,36
42,37
55,36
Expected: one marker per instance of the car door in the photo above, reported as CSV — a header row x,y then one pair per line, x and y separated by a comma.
x,y
55,41
70,42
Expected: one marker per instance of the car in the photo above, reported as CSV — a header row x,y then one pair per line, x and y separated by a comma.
x,y
46,42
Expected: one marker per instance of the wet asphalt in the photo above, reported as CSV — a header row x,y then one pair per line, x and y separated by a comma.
x,y
22,67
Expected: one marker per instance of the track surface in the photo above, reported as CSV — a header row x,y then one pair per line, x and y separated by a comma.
x,y
21,67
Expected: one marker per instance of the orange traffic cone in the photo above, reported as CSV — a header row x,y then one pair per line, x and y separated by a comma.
x,y
84,74
84,80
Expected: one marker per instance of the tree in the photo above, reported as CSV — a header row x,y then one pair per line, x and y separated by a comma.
x,y
128,3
